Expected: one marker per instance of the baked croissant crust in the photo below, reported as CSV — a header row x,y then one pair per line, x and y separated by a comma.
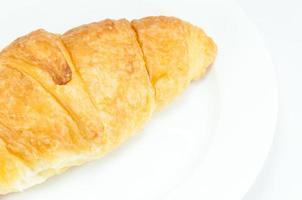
x,y
69,99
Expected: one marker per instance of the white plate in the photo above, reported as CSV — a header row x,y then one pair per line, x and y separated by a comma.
x,y
209,144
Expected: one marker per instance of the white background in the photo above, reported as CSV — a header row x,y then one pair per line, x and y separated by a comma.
x,y
280,23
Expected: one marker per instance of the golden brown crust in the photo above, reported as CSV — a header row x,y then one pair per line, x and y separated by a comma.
x,y
68,99
34,129
71,96
175,52
42,49
110,62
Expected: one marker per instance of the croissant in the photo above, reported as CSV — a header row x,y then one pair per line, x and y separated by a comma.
x,y
69,99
